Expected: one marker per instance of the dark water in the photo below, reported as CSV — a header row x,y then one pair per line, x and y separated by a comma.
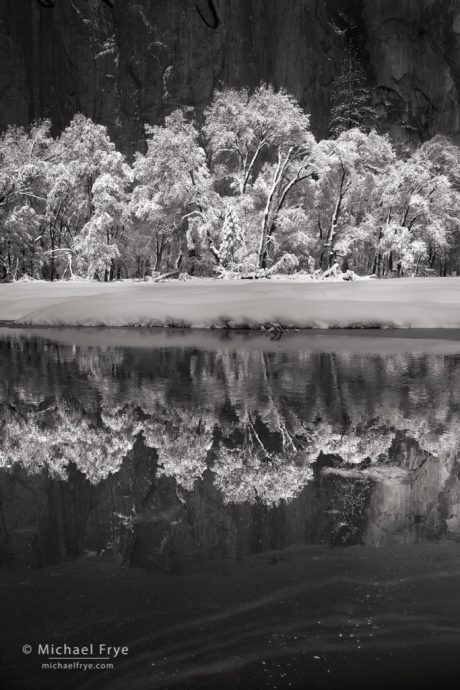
x,y
240,513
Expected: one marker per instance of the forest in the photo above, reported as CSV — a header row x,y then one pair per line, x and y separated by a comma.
x,y
241,189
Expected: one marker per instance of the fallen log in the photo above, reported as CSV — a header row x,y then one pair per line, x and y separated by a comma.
x,y
165,276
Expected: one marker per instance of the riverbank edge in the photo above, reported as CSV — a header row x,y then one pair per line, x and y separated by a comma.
x,y
230,305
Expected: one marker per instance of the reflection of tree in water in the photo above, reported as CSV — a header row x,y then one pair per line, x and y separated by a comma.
x,y
278,404
54,437
182,440
347,510
251,471
232,428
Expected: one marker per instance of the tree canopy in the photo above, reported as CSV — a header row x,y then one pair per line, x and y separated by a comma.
x,y
245,189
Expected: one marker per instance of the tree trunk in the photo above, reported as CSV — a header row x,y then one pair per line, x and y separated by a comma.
x,y
270,232
52,258
213,249
266,228
8,257
263,240
377,270
159,254
327,255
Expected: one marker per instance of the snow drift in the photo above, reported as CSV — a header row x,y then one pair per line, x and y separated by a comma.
x,y
399,303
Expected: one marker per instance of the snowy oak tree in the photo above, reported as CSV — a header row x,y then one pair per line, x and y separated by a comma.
x,y
89,195
260,143
248,191
24,187
419,203
174,185
349,168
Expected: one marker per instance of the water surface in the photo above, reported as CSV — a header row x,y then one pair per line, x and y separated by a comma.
x,y
241,511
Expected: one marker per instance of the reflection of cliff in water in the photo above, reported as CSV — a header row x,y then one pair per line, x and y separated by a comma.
x,y
161,457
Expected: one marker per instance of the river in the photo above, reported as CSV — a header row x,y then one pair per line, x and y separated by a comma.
x,y
240,510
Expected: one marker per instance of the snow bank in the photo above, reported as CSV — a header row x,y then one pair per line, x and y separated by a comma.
x,y
399,303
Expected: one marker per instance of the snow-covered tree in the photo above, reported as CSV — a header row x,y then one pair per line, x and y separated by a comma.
x,y
260,144
23,192
174,183
419,202
88,196
233,239
349,170
97,244
351,98
251,191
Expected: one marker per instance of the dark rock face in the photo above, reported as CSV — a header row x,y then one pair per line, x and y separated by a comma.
x,y
128,63
414,50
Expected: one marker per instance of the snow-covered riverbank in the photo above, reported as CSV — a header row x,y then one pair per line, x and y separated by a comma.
x,y
399,303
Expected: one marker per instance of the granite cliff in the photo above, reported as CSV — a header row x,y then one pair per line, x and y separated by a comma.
x,y
128,63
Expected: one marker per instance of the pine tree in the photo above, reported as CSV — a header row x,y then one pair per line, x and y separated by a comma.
x,y
351,98
232,238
